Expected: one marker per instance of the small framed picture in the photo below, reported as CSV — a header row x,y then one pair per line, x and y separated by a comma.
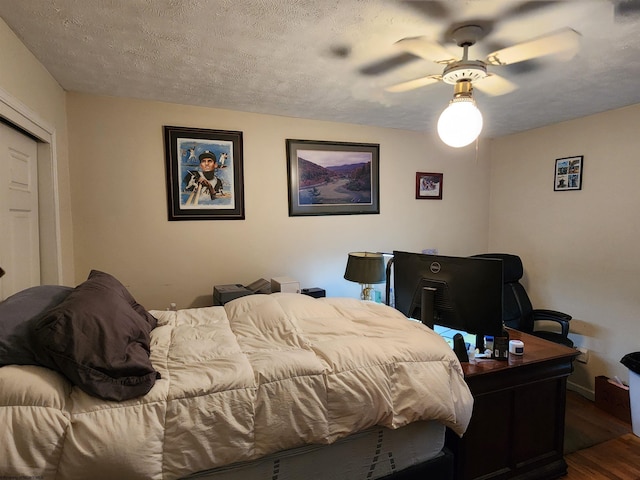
x,y
332,178
568,173
429,186
204,174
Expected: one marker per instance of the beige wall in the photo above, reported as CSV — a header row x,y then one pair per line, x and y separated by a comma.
x,y
31,88
120,212
579,248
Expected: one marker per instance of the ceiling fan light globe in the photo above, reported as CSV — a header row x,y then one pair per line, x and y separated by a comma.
x,y
460,123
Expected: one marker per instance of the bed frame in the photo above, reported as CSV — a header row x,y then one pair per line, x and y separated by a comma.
x,y
439,468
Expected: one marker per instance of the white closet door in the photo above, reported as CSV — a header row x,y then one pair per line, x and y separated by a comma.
x,y
19,236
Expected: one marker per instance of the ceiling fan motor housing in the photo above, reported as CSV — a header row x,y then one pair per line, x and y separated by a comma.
x,y
465,69
471,70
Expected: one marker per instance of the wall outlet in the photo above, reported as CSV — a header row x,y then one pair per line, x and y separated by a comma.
x,y
584,355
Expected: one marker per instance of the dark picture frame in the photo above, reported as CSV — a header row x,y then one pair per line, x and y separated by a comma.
x,y
568,173
429,186
333,178
204,170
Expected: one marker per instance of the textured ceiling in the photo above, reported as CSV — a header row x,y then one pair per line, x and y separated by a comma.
x,y
330,59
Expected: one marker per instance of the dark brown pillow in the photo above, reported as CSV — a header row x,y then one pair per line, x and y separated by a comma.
x,y
18,313
103,280
98,337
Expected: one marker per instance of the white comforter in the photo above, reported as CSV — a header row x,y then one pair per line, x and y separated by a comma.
x,y
261,374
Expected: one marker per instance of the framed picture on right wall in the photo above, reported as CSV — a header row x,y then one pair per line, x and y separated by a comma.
x,y
429,186
568,173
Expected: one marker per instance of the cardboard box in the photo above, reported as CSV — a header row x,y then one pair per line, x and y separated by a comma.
x,y
613,399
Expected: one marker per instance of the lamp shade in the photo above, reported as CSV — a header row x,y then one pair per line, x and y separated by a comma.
x,y
460,123
365,267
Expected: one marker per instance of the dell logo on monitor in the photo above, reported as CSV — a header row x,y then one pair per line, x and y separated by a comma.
x,y
435,267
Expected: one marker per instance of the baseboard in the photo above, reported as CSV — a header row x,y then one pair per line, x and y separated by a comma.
x,y
585,392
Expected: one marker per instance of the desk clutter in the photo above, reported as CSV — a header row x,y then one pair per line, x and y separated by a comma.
x,y
225,293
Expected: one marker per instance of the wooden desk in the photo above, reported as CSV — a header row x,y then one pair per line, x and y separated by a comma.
x,y
517,426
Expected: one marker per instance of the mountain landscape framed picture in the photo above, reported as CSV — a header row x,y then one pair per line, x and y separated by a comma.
x,y
333,178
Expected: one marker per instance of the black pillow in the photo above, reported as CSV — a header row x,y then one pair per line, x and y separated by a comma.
x,y
98,337
17,313
106,281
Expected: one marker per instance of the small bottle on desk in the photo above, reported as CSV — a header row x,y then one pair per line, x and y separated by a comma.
x,y
501,346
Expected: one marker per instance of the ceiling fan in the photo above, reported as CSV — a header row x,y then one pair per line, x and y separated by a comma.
x,y
465,72
461,122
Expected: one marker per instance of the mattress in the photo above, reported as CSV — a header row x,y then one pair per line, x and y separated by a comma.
x,y
371,454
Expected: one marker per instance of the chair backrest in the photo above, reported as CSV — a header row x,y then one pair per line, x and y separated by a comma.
x,y
517,309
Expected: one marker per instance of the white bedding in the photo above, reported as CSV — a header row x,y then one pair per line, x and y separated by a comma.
x,y
263,373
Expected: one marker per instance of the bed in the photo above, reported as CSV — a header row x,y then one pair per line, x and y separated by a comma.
x,y
279,386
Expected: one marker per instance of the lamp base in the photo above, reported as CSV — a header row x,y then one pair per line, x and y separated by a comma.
x,y
367,292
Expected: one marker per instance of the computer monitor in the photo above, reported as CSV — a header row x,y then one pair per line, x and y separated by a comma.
x,y
462,293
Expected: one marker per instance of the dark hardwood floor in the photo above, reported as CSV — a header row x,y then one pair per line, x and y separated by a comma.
x,y
598,446
617,459
587,425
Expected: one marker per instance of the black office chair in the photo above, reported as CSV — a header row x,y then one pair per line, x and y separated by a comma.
x,y
518,313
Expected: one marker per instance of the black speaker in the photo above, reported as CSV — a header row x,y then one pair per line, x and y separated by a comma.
x,y
460,348
314,292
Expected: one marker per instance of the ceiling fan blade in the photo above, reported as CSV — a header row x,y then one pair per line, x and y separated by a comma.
x,y
426,49
565,41
429,8
495,85
413,84
386,64
626,9
526,8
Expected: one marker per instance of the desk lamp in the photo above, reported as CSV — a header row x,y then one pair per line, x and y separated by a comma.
x,y
365,268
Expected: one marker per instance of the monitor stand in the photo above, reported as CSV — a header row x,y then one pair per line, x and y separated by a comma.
x,y
428,307
427,317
